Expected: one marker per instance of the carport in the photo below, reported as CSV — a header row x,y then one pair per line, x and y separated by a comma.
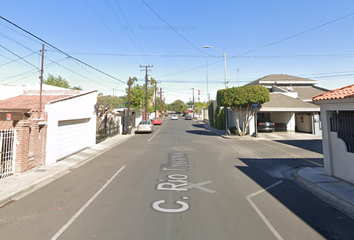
x,y
291,114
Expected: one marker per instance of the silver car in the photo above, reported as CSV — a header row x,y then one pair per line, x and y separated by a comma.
x,y
145,126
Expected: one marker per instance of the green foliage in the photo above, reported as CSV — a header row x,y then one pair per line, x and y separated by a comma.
x,y
56,81
59,82
110,102
77,88
211,115
242,96
220,118
138,95
240,99
159,103
177,106
233,130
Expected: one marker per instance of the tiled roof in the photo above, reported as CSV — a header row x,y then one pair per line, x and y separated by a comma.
x,y
281,101
344,92
279,79
28,101
306,92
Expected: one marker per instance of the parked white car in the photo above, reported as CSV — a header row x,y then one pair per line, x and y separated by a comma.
x,y
145,126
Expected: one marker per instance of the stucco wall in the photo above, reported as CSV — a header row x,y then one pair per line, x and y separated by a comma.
x,y
80,107
338,162
284,117
304,122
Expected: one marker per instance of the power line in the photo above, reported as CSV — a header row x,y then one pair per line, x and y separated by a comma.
x,y
122,26
173,28
131,29
296,56
15,60
60,50
110,30
18,56
298,34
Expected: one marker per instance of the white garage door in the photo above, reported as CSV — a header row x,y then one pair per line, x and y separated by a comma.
x,y
71,136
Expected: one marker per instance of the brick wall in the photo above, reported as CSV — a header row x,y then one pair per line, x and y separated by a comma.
x,y
30,144
22,145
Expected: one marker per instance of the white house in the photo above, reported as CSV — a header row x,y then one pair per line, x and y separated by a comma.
x,y
71,125
65,125
337,118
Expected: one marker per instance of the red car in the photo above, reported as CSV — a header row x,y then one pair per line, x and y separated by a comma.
x,y
157,121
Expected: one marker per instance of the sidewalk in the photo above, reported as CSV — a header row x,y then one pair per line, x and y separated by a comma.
x,y
13,187
334,191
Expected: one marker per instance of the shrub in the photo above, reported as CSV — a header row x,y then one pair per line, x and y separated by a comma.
x,y
220,119
233,130
211,115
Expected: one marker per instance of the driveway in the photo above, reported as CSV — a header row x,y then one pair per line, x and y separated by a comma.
x,y
287,136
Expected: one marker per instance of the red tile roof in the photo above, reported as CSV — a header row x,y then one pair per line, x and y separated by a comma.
x,y
344,92
28,101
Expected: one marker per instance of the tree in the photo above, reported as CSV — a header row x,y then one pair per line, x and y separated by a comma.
x,y
137,94
242,98
59,82
177,106
110,102
77,88
56,81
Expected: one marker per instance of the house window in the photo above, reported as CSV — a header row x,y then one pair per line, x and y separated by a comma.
x,y
342,122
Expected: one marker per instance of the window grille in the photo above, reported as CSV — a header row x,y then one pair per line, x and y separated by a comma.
x,y
342,122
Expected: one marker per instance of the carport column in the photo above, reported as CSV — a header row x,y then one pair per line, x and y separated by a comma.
x,y
22,146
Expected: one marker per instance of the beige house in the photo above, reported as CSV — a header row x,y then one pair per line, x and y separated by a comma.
x,y
337,117
290,107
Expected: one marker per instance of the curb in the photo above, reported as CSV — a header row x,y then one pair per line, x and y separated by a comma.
x,y
207,126
328,197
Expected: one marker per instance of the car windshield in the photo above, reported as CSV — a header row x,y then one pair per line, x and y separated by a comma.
x,y
144,123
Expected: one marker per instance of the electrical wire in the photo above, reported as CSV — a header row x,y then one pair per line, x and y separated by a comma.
x,y
19,56
114,13
43,41
173,28
131,29
297,34
15,60
111,31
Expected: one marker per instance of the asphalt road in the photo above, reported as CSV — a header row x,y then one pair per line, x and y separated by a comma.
x,y
182,182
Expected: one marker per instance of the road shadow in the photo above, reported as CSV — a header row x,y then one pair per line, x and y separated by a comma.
x,y
201,132
314,145
198,125
310,209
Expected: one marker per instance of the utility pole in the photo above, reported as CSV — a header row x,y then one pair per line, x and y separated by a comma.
x,y
155,97
146,89
40,88
161,99
129,84
193,103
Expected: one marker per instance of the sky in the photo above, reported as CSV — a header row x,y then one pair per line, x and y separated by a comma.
x,y
99,44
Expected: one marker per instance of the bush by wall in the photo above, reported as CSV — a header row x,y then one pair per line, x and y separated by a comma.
x,y
220,118
211,115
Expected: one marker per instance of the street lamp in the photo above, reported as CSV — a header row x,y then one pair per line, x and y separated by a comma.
x,y
224,55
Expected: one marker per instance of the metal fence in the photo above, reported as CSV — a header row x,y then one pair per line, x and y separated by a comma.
x,y
107,126
7,162
343,123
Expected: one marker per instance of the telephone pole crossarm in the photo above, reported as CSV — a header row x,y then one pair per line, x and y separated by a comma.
x,y
146,88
